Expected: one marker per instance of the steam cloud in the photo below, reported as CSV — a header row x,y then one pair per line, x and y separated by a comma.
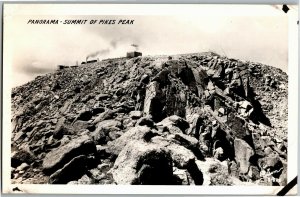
x,y
97,53
113,44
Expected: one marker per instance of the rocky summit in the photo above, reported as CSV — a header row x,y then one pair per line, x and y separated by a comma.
x,y
190,119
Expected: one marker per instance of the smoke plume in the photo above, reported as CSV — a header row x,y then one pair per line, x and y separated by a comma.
x,y
97,53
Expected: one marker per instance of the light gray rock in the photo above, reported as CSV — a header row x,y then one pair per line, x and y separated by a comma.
x,y
143,163
243,153
135,114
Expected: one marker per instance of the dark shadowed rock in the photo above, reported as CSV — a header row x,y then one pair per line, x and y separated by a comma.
x,y
237,125
145,79
60,128
21,156
162,77
71,171
145,121
85,115
98,110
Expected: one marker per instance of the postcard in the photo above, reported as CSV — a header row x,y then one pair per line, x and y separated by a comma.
x,y
149,98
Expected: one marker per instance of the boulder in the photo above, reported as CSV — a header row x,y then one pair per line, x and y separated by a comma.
x,y
190,143
59,132
23,166
135,114
152,102
174,121
104,134
85,180
58,157
185,140
271,162
21,156
71,171
82,125
109,124
243,153
259,144
66,107
60,128
181,156
237,125
209,168
135,133
143,163
210,72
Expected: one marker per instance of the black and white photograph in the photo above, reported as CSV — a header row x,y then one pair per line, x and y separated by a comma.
x,y
180,96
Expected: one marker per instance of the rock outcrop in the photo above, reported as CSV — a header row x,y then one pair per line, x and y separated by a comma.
x,y
193,119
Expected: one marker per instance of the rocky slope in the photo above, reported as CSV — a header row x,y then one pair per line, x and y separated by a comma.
x,y
192,119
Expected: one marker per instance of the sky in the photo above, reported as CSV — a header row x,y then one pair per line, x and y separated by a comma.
x,y
33,50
